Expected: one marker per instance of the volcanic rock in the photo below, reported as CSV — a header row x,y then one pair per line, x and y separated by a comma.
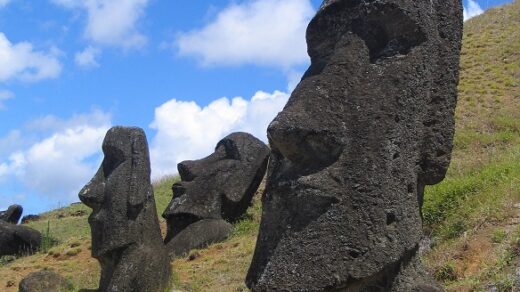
x,y
12,214
213,191
30,218
126,238
16,239
44,281
370,124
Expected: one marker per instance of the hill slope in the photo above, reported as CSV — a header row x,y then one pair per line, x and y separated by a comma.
x,y
472,219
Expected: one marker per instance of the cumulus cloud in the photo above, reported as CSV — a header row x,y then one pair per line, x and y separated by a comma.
x,y
87,57
260,32
58,165
111,22
186,130
5,95
473,9
20,61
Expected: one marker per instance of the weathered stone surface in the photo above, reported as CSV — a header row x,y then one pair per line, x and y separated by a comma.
x,y
12,214
199,235
45,281
126,238
218,187
370,124
16,239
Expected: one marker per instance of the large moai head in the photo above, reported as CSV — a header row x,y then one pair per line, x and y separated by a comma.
x,y
370,124
126,237
220,186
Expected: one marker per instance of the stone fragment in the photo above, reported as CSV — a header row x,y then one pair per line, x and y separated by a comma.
x,y
370,124
12,214
30,218
126,238
45,281
199,235
17,239
214,191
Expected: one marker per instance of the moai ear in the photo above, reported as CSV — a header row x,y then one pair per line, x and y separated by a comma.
x,y
140,189
440,118
232,151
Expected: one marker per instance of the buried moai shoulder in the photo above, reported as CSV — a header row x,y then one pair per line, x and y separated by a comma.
x,y
369,125
214,192
17,239
126,237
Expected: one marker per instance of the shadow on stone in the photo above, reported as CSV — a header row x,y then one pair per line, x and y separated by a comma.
x,y
214,192
17,239
12,214
126,237
369,125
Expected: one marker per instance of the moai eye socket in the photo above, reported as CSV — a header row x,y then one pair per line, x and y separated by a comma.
x,y
113,158
388,32
230,148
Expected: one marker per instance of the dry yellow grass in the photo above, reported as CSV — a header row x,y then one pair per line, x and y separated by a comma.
x,y
483,173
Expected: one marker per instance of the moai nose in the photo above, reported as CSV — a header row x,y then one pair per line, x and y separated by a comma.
x,y
186,170
307,147
92,193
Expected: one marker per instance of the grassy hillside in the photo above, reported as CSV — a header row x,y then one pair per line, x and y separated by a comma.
x,y
472,219
474,215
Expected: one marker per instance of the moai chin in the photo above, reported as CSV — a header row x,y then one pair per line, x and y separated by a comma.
x,y
214,192
370,124
126,238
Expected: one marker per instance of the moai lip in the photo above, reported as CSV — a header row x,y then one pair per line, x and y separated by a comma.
x,y
126,237
369,125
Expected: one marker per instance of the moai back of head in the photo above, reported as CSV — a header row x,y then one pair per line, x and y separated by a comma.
x,y
370,124
12,214
126,238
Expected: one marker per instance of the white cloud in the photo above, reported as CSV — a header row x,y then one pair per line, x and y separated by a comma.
x,y
21,61
473,9
13,140
87,57
58,165
187,131
5,95
260,32
111,22
2,4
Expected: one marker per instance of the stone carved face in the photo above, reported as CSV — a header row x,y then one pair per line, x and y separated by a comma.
x,y
118,191
368,126
219,186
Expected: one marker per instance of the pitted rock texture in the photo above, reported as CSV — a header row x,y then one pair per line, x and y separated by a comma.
x,y
12,214
126,238
199,235
45,281
370,124
17,239
215,190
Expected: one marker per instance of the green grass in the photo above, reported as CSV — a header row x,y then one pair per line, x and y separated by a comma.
x,y
470,215
453,206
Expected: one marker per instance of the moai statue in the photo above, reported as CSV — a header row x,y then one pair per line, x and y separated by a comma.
x,y
18,239
126,238
213,192
12,214
370,124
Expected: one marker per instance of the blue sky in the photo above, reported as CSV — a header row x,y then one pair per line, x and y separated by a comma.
x,y
188,72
